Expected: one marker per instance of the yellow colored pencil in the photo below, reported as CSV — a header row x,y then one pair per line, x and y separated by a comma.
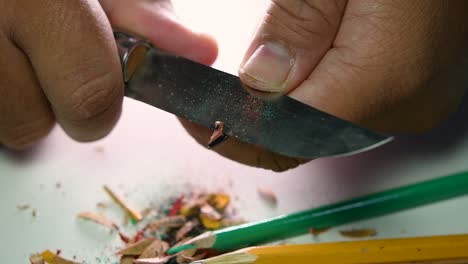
x,y
450,249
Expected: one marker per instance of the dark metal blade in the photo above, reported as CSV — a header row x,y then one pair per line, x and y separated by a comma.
x,y
281,124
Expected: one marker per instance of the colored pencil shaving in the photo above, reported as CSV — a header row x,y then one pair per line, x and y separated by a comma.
x,y
99,219
163,226
365,207
437,249
134,214
49,258
359,233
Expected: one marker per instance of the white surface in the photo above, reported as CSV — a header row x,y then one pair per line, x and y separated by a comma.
x,y
140,159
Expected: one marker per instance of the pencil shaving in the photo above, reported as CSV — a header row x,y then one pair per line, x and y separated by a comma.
x,y
359,233
99,219
36,259
147,212
186,228
210,212
192,207
176,206
219,201
136,249
126,260
155,249
102,205
134,214
170,221
23,207
185,256
210,223
160,260
267,195
317,232
52,258
151,243
188,256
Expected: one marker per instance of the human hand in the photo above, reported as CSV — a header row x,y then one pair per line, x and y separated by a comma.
x,y
393,66
60,62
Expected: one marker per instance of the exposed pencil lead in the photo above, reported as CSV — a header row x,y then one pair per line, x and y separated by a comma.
x,y
218,135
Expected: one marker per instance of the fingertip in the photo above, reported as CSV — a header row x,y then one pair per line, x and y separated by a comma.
x,y
208,49
95,112
182,41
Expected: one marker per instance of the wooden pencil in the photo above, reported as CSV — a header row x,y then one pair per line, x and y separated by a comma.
x,y
451,249
373,205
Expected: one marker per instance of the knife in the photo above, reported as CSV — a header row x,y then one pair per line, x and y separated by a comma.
x,y
219,101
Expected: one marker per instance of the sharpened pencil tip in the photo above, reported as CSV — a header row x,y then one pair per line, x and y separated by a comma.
x,y
177,249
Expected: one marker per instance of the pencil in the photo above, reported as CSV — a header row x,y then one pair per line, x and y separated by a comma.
x,y
364,207
450,249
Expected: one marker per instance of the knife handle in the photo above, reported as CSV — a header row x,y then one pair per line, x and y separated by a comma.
x,y
131,52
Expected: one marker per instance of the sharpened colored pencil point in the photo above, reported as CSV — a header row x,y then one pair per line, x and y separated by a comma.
x,y
177,249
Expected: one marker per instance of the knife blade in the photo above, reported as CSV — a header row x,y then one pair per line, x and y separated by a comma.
x,y
208,97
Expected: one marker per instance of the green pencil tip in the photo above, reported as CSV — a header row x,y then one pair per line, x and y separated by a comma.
x,y
177,249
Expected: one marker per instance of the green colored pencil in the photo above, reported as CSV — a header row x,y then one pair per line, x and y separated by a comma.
x,y
364,207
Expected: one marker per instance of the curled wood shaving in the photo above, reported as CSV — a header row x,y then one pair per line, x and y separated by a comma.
x,y
126,259
268,195
160,260
209,223
102,205
188,256
146,212
99,219
185,256
52,258
186,228
176,206
137,248
317,232
219,201
192,207
210,212
124,238
359,233
126,220
120,201
23,207
155,249
170,221
36,259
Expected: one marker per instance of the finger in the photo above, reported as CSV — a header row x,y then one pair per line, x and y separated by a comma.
x,y
25,114
290,42
155,21
244,153
394,81
71,47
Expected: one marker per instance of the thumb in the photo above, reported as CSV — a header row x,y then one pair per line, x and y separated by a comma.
x,y
290,42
